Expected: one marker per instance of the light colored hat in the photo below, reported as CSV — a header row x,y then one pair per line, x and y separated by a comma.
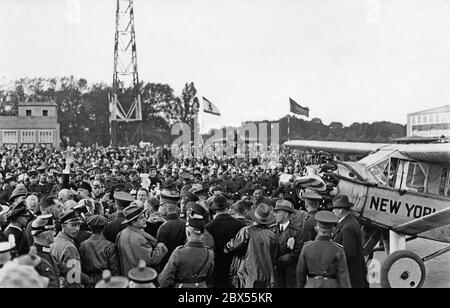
x,y
14,275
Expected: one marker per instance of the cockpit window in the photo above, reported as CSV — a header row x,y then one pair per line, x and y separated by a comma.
x,y
380,171
437,179
415,178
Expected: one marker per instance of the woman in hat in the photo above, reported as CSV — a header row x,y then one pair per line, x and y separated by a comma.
x,y
254,249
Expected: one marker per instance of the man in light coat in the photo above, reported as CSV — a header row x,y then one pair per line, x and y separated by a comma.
x,y
134,244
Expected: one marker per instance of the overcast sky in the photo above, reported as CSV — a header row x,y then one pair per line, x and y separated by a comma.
x,y
347,60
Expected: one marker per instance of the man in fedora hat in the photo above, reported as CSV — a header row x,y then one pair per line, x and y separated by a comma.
x,y
223,228
312,203
134,244
18,195
190,265
172,233
254,250
348,234
322,263
289,245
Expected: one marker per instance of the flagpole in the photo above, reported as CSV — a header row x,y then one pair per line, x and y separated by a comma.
x,y
289,127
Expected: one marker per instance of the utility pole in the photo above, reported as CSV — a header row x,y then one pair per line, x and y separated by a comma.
x,y
125,99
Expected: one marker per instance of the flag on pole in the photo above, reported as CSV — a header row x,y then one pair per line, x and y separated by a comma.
x,y
209,107
297,109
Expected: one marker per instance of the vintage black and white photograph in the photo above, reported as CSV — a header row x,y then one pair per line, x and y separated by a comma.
x,y
232,145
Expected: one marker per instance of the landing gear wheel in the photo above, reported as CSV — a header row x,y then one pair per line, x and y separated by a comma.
x,y
402,269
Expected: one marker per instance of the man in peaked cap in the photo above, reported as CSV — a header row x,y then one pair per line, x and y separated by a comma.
x,y
42,230
84,190
190,265
142,277
312,203
289,245
65,251
134,244
172,232
18,217
322,263
122,200
97,253
110,282
349,228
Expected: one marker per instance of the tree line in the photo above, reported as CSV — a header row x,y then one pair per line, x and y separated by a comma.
x,y
83,112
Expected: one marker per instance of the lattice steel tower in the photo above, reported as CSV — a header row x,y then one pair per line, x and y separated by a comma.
x,y
125,100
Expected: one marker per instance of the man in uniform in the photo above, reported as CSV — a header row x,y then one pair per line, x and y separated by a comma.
x,y
122,200
348,234
322,263
190,265
172,233
42,230
312,202
19,216
65,251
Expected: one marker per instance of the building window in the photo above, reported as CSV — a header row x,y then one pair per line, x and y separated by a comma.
x,y
45,113
28,112
413,120
28,136
9,136
45,136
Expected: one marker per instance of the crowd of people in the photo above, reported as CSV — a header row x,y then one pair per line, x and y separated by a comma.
x,y
139,217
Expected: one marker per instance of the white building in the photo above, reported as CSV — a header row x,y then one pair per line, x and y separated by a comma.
x,y
429,123
33,124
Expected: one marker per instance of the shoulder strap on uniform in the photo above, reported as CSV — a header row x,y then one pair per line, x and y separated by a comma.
x,y
337,244
203,265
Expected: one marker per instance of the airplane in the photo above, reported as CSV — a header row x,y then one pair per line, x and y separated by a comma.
x,y
400,192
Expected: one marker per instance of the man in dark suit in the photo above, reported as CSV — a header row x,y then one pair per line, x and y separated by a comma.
x,y
348,234
223,228
289,245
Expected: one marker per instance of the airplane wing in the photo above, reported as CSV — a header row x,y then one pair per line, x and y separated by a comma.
x,y
435,153
426,223
336,146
